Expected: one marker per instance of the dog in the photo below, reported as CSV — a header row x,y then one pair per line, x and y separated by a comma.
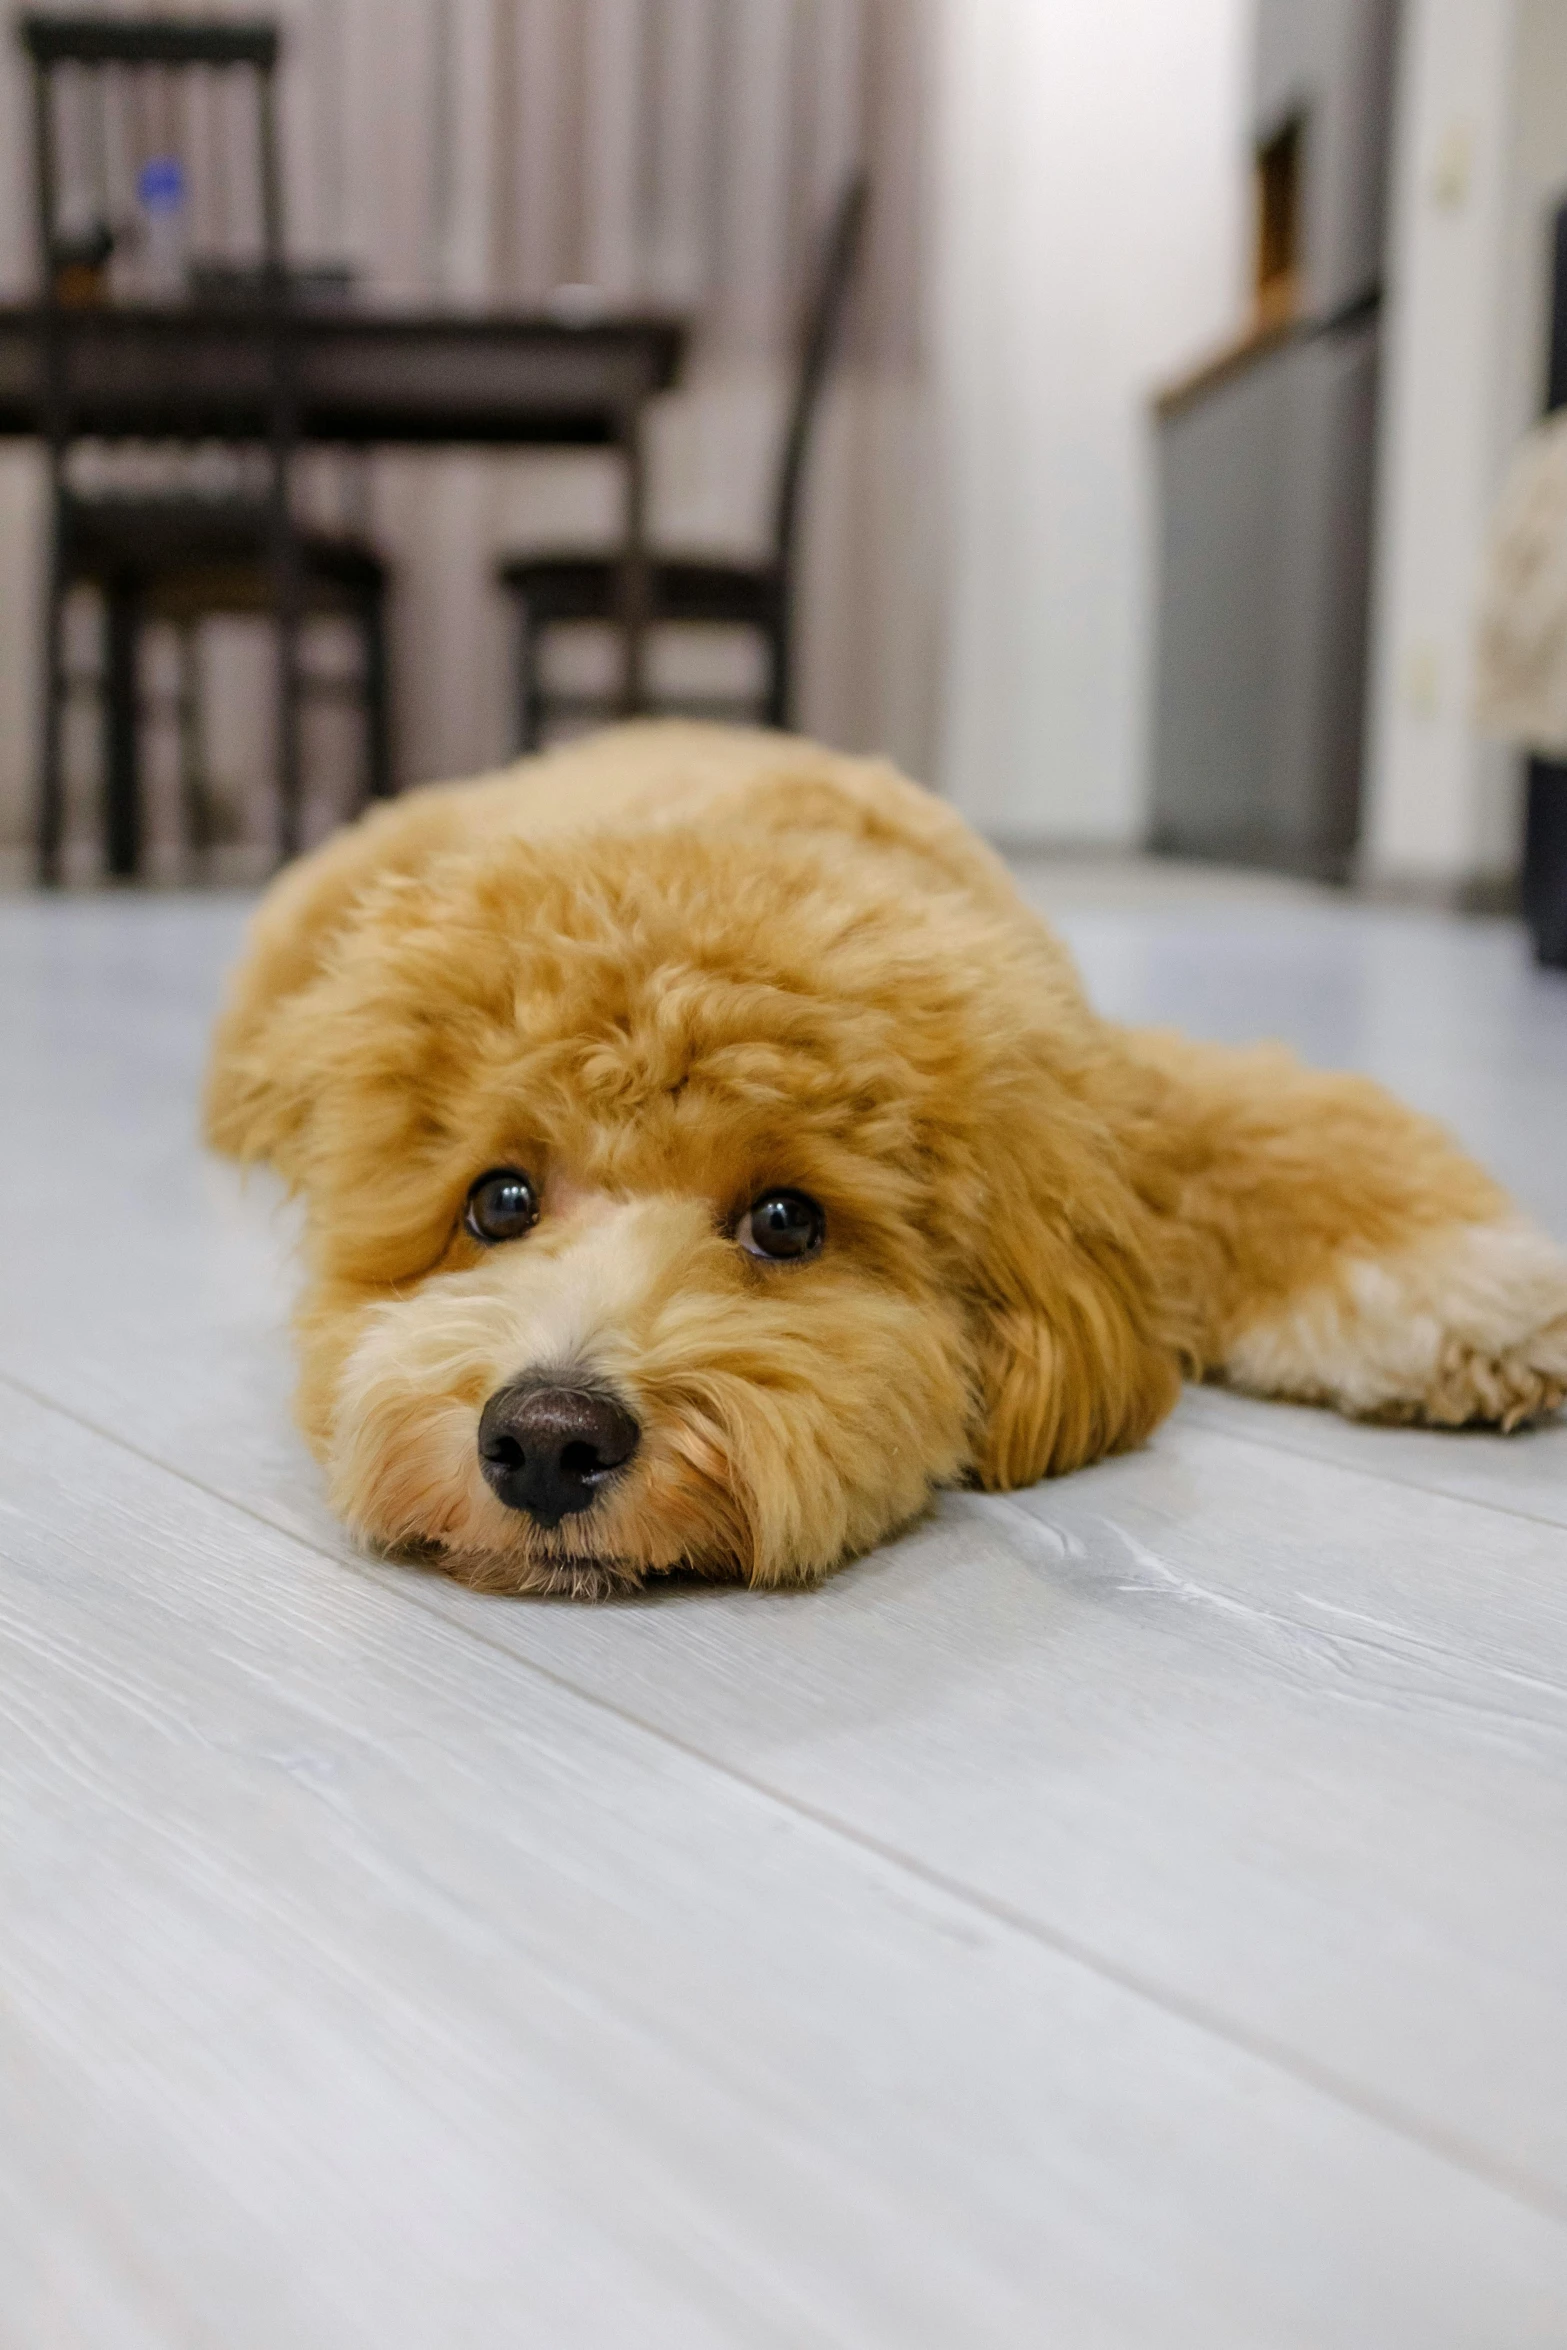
x,y
706,1157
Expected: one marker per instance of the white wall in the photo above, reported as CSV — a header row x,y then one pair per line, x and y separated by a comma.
x,y
1091,224
1480,158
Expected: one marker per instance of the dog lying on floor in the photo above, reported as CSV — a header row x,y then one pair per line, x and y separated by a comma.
x,y
706,1155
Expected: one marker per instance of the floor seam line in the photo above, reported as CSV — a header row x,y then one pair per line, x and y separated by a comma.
x,y
1264,1443
1319,2080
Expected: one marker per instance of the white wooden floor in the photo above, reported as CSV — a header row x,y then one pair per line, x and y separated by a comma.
x,y
1129,1914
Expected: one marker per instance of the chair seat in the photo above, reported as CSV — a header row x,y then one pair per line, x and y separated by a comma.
x,y
680,588
186,556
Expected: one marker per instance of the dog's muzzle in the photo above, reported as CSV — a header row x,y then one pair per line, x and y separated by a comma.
x,y
550,1450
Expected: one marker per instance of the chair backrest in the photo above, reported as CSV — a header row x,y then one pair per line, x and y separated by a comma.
x,y
829,293
121,107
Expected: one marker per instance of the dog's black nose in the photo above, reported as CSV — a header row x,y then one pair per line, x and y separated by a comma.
x,y
552,1450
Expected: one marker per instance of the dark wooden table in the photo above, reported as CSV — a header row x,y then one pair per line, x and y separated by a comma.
x,y
363,376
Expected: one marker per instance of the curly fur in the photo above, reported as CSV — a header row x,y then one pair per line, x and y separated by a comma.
x,y
674,965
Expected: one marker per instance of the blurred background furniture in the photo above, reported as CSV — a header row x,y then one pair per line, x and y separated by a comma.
x,y
1265,477
360,377
146,131
556,590
512,164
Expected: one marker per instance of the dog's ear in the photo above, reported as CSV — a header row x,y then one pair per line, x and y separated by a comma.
x,y
264,1077
1072,1359
259,1074
254,1096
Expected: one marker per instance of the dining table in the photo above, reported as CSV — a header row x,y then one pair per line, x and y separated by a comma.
x,y
362,373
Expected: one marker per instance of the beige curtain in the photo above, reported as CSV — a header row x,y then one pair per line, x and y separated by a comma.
x,y
680,152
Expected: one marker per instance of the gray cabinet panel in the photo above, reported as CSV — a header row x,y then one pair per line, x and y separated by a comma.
x,y
1264,570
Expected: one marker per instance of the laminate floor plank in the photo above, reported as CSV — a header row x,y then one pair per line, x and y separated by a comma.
x,y
1290,1754
1239,1727
1525,1473
360,1987
1263,1726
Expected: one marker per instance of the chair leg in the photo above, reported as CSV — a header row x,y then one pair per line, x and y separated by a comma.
x,y
776,710
377,700
290,745
530,681
195,805
121,774
51,764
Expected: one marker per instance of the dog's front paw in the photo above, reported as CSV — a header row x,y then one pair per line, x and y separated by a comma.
x,y
1465,1327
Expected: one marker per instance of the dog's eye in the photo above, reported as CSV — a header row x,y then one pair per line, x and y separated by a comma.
x,y
782,1224
502,1205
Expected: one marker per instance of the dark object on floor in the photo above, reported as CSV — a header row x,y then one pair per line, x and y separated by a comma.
x,y
552,591
1543,884
177,554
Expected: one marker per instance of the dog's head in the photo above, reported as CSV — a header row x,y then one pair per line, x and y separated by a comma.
x,y
672,1205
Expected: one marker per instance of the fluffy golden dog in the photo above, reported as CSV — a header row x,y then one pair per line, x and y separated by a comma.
x,y
706,1156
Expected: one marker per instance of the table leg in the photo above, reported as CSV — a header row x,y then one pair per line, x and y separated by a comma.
x,y
635,599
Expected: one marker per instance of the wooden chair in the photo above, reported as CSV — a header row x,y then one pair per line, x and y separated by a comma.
x,y
178,555
556,590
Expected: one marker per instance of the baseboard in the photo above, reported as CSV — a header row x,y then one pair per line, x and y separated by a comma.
x,y
1024,848
1473,893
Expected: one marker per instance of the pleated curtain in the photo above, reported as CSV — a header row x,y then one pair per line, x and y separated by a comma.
x,y
682,153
